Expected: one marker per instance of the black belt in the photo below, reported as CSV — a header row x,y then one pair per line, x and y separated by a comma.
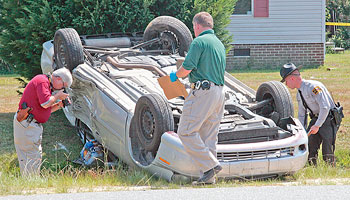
x,y
316,115
204,85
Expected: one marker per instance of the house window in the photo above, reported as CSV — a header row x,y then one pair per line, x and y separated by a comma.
x,y
243,7
241,52
257,8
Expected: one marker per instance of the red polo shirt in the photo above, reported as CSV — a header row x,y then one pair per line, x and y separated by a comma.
x,y
37,92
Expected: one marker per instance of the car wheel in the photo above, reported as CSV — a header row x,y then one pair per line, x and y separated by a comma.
x,y
153,117
174,34
281,105
68,49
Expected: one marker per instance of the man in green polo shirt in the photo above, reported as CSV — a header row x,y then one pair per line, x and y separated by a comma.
x,y
203,108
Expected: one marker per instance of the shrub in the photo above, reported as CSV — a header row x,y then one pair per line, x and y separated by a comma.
x,y
28,24
180,9
329,50
5,68
342,37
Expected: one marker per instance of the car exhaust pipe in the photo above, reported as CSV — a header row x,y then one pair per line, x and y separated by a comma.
x,y
152,68
121,42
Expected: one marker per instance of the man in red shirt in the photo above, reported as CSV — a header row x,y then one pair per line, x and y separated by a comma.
x,y
28,133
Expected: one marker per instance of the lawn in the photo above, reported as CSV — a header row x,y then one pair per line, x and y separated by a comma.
x,y
61,144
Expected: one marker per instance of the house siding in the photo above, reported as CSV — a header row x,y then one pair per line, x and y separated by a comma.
x,y
293,26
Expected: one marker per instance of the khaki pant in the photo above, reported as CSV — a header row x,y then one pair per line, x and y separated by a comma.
x,y
199,125
27,137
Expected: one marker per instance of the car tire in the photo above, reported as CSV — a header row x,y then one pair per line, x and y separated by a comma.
x,y
68,49
170,27
282,104
153,117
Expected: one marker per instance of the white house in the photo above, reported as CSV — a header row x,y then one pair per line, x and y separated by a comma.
x,y
269,33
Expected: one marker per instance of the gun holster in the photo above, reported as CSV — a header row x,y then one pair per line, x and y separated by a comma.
x,y
338,114
23,113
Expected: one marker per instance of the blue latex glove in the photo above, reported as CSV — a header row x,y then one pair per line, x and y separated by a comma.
x,y
173,76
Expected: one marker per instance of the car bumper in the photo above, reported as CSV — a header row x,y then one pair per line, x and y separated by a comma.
x,y
284,156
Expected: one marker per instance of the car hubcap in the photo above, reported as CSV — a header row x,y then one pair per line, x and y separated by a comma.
x,y
147,123
169,41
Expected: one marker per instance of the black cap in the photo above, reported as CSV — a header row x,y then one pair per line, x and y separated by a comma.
x,y
287,69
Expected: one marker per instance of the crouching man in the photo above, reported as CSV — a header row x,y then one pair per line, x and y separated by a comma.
x,y
313,98
35,107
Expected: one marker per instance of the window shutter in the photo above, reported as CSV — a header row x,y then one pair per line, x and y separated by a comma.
x,y
261,8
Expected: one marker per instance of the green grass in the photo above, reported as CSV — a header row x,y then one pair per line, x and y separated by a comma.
x,y
60,175
73,179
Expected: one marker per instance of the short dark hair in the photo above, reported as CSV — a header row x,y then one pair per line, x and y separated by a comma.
x,y
204,19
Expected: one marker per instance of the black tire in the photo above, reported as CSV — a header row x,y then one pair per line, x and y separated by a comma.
x,y
153,117
174,34
68,49
282,104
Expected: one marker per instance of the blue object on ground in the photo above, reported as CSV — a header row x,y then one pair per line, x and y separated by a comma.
x,y
91,151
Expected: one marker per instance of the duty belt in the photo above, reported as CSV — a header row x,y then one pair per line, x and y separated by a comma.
x,y
316,115
204,85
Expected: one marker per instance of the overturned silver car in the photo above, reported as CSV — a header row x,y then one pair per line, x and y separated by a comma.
x,y
117,100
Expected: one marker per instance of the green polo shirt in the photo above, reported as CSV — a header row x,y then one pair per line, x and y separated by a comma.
x,y
206,58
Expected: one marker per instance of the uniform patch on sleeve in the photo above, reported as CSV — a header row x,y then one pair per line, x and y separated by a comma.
x,y
317,90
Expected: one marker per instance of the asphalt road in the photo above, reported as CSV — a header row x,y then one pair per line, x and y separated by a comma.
x,y
327,192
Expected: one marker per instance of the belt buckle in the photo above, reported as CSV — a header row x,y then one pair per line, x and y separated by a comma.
x,y
205,85
197,85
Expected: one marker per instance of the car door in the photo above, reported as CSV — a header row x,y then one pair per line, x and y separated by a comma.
x,y
108,116
109,121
